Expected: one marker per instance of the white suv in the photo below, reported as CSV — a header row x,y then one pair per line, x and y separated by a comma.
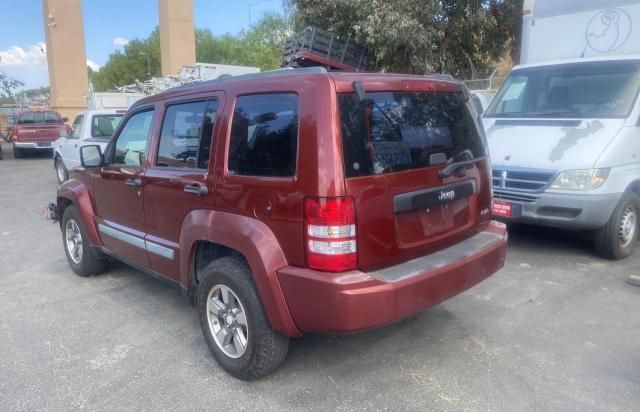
x,y
91,127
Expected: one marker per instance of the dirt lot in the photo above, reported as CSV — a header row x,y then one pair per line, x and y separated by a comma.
x,y
556,329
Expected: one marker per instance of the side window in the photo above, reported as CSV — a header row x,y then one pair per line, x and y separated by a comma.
x,y
76,127
185,139
131,143
264,135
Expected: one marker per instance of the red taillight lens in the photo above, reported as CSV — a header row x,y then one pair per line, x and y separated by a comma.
x,y
14,133
330,233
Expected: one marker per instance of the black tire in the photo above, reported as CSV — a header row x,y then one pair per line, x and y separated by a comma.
x,y
265,349
0,152
89,262
17,152
609,242
63,170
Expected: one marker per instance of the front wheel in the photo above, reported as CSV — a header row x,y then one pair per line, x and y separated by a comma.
x,y
618,237
81,257
61,171
233,321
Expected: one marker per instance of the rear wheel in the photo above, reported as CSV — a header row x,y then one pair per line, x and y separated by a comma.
x,y
17,152
618,237
233,321
61,171
81,257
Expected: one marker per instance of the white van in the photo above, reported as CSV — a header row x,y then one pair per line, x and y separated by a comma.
x,y
564,135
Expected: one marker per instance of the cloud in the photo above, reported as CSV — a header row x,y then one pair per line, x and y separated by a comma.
x,y
120,42
34,55
93,65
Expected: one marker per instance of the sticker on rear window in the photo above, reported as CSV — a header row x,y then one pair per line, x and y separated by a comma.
x,y
390,154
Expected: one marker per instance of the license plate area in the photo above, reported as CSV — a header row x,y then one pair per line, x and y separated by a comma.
x,y
43,144
424,199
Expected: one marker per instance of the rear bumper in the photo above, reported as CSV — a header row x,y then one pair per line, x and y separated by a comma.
x,y
40,144
355,301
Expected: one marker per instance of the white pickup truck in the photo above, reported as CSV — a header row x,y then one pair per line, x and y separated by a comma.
x,y
91,127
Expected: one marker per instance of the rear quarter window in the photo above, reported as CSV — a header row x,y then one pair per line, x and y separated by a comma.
x,y
264,135
396,131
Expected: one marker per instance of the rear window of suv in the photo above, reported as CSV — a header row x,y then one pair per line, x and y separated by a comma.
x,y
396,131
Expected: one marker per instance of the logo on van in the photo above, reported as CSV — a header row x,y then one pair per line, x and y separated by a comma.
x,y
608,30
448,195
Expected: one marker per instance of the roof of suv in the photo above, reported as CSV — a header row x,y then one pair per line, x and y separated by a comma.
x,y
340,76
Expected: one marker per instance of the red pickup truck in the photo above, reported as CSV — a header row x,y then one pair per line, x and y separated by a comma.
x,y
37,130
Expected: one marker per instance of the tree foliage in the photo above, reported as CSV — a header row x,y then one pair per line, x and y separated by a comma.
x,y
260,46
460,37
8,85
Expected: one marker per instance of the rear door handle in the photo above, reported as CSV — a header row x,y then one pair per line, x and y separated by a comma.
x,y
196,189
133,182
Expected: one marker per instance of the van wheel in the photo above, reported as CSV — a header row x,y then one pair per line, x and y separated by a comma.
x,y
81,257
618,237
61,171
17,152
234,324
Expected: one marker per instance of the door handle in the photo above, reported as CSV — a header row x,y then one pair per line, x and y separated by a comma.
x,y
196,189
133,182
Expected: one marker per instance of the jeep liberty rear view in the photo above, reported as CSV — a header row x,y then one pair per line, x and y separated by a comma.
x,y
292,201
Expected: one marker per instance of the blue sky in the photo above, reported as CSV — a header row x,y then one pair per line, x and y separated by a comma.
x,y
107,25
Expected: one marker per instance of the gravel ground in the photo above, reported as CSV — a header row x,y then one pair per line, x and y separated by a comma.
x,y
556,329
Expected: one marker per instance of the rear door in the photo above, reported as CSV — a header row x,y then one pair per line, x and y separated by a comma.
x,y
177,181
395,145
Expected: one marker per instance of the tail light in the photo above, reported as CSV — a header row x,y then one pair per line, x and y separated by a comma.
x,y
330,233
14,134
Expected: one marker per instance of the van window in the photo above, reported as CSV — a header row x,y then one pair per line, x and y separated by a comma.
x,y
264,135
583,90
185,139
394,131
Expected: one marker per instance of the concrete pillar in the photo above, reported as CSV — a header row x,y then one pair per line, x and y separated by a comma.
x,y
177,36
66,56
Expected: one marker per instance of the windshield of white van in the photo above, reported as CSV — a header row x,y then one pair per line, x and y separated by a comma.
x,y
582,90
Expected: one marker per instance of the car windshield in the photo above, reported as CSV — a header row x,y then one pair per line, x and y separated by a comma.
x,y
581,90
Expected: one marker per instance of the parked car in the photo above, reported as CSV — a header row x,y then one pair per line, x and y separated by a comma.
x,y
37,131
90,127
564,128
292,201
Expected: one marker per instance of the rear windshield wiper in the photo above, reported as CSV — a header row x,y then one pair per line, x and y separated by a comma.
x,y
458,168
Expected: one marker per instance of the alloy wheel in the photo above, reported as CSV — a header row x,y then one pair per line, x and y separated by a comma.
x,y
73,239
227,321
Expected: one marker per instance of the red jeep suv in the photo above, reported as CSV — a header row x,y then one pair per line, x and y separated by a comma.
x,y
292,201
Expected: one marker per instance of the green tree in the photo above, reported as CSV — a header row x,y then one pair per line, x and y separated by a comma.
x,y
8,86
259,46
460,37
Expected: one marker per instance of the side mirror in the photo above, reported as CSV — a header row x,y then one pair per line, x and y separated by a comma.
x,y
65,119
91,156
